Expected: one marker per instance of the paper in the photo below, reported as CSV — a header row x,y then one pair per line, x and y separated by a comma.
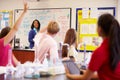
x,y
85,13
87,40
6,15
92,28
84,29
2,69
93,13
2,24
100,12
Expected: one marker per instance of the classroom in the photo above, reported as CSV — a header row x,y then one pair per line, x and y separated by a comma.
x,y
46,52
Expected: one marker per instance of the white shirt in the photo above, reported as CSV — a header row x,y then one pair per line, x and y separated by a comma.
x,y
46,44
72,52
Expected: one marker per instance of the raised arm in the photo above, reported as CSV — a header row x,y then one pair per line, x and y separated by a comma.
x,y
15,28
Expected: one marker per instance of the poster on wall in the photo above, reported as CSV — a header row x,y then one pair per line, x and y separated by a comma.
x,y
86,26
45,15
6,18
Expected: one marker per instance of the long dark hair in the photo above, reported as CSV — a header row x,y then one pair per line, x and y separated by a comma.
x,y
111,29
4,32
32,26
70,38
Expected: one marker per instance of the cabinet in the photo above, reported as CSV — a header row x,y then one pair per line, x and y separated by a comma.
x,y
24,55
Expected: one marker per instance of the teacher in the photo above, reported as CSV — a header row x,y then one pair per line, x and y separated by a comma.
x,y
35,27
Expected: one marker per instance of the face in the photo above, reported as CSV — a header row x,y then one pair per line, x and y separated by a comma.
x,y
36,24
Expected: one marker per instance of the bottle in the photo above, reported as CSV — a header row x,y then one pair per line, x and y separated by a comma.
x,y
19,73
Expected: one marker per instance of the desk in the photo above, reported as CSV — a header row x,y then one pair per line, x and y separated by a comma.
x,y
56,77
24,55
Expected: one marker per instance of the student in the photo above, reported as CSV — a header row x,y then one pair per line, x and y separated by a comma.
x,y
3,33
6,39
69,50
47,44
105,59
35,27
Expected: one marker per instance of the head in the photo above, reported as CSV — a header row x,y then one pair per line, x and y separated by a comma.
x,y
4,32
53,28
109,27
36,24
70,39
104,24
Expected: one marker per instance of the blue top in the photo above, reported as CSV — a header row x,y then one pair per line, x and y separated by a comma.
x,y
31,36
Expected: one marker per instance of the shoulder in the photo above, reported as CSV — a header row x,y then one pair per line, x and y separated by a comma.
x,y
101,52
97,52
103,49
38,37
51,41
72,47
31,31
1,42
72,50
50,38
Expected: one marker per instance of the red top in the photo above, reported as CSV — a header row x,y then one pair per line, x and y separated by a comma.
x,y
100,63
4,53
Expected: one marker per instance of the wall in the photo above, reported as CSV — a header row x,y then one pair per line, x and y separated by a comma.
x,y
118,10
17,4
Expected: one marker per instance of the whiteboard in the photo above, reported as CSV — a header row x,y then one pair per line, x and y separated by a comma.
x,y
61,15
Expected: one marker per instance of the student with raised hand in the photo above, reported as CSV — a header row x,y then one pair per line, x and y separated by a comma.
x,y
68,50
35,27
3,33
6,39
46,42
105,59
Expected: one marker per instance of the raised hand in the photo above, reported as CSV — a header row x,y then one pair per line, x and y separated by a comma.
x,y
25,6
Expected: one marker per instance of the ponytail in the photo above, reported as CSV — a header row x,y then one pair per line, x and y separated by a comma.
x,y
114,44
111,29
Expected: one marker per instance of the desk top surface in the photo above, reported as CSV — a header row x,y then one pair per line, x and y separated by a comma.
x,y
56,77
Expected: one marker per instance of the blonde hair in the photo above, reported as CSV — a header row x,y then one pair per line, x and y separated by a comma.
x,y
53,27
